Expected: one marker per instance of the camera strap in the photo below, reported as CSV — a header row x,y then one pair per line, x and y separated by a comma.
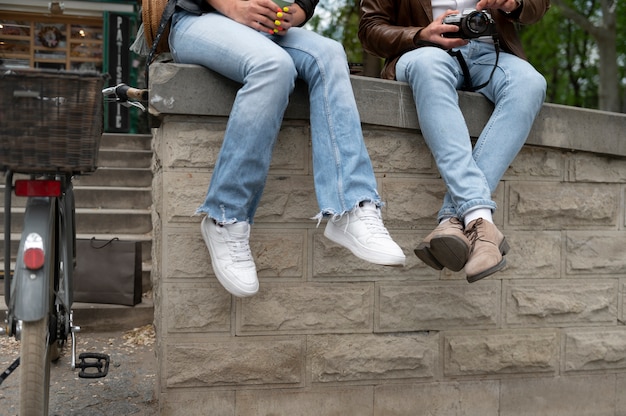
x,y
467,82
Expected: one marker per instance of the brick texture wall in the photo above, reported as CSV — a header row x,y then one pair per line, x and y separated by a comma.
x,y
329,334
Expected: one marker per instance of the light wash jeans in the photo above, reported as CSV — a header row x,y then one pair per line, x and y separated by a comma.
x,y
268,66
517,91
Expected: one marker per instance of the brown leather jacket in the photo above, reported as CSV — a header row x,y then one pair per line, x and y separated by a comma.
x,y
388,27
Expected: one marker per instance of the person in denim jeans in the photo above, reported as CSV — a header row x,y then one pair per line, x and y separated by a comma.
x,y
262,46
416,48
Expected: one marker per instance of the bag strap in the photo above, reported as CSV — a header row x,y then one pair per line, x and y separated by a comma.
x,y
168,12
106,243
467,82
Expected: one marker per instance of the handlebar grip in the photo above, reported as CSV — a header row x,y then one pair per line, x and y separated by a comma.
x,y
123,93
137,94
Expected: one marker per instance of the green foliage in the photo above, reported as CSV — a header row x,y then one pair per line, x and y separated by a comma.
x,y
564,54
339,20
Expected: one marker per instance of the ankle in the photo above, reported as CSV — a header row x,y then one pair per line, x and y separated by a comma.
x,y
484,213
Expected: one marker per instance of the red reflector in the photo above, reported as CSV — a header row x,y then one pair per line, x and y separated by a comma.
x,y
34,258
24,187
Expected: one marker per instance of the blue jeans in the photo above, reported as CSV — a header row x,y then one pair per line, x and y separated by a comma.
x,y
517,91
267,67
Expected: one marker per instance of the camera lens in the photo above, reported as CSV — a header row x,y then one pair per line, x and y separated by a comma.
x,y
477,22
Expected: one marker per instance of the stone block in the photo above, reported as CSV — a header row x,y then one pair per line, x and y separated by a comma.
x,y
288,199
192,143
305,309
561,303
588,167
427,306
183,193
601,349
277,253
501,352
558,396
336,263
412,203
399,151
234,361
348,401
362,357
537,163
595,253
533,255
184,253
178,402
197,307
554,206
472,398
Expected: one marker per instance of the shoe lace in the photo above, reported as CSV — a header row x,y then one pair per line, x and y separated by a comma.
x,y
239,249
473,233
372,220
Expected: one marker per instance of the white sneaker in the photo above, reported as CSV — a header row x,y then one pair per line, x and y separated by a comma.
x,y
231,257
362,232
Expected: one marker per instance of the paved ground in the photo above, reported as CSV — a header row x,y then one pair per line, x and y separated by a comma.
x,y
129,388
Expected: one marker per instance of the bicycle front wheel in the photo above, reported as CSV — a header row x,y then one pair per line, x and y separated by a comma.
x,y
35,359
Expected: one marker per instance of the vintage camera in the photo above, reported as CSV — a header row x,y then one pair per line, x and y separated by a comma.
x,y
472,24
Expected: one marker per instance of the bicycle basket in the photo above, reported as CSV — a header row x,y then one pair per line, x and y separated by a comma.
x,y
50,121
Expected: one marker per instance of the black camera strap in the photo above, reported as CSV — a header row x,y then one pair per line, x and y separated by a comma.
x,y
467,82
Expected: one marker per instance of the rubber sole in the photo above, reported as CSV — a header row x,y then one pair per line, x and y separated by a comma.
x,y
445,251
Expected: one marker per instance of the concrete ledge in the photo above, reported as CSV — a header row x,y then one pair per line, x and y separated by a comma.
x,y
386,103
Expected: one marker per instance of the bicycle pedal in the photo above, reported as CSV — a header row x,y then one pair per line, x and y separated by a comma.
x,y
93,365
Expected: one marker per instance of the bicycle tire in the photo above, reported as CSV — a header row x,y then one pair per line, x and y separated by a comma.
x,y
36,349
35,368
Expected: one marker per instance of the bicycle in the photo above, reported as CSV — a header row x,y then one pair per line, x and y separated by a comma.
x,y
50,130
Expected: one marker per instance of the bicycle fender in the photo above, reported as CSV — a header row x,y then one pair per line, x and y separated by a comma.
x,y
32,287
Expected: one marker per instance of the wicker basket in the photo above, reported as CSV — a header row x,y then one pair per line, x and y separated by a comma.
x,y
50,121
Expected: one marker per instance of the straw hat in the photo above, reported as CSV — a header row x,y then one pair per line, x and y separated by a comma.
x,y
151,13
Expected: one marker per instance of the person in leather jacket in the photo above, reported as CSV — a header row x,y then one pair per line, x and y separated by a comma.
x,y
260,44
422,50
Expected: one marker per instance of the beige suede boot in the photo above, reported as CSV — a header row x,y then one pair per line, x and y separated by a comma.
x,y
488,247
446,246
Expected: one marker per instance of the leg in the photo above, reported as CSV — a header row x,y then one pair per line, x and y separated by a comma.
x,y
268,77
517,91
434,77
342,169
345,184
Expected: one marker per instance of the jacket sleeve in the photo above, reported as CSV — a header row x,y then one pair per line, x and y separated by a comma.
x,y
378,32
309,8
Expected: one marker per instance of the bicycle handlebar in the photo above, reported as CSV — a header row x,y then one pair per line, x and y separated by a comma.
x,y
124,95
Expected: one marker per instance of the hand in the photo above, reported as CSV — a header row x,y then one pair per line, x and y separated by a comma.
x,y
258,14
435,30
505,5
287,18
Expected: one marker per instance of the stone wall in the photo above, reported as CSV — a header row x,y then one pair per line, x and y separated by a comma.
x,y
329,334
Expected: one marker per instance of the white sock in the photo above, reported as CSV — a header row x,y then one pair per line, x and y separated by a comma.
x,y
484,213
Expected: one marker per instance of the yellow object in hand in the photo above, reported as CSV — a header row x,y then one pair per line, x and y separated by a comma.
x,y
277,22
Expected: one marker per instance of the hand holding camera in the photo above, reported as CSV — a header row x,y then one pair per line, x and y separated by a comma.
x,y
471,23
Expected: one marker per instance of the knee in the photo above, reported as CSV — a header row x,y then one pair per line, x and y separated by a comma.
x,y
277,65
334,50
531,82
427,62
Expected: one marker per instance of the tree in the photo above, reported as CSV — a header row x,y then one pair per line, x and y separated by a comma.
x,y
600,23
